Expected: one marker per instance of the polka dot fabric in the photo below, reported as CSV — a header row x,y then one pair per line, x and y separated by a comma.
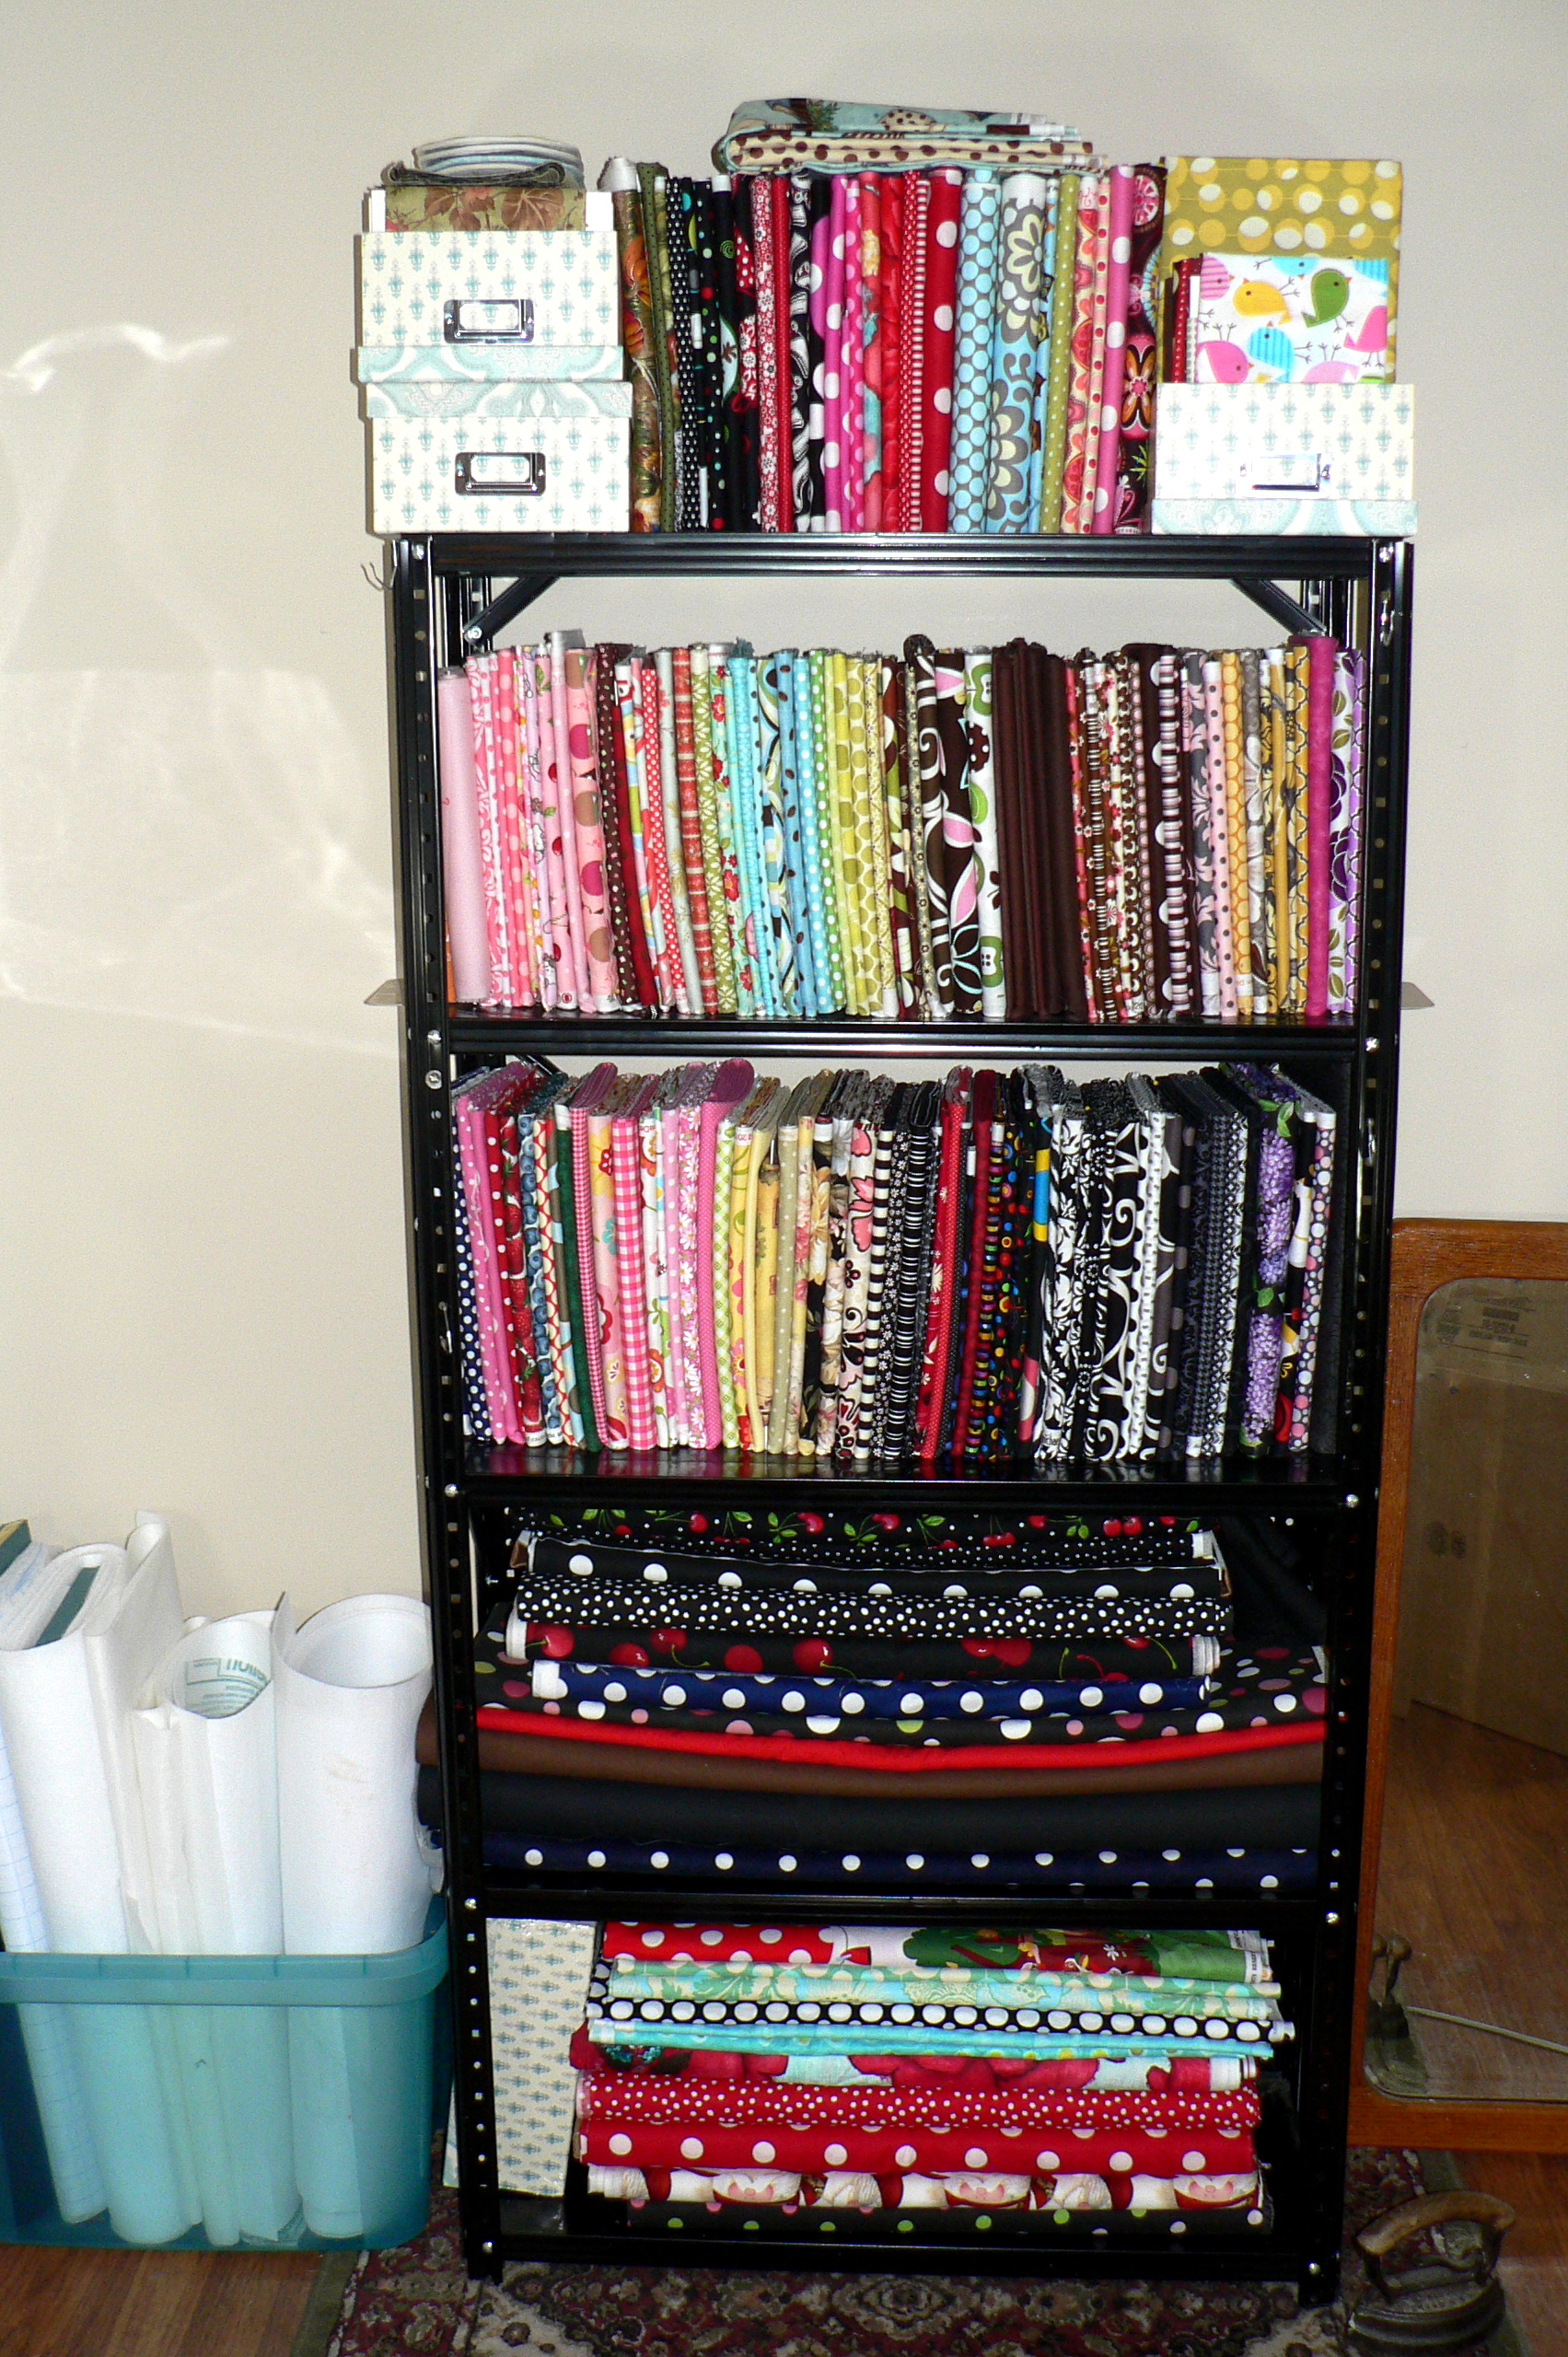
x,y
976,332
843,1698
827,1532
1297,208
717,2070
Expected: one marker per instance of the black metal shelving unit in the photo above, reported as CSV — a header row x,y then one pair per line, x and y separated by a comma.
x,y
451,596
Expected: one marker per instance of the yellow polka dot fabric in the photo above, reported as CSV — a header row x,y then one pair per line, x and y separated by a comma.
x,y
1292,205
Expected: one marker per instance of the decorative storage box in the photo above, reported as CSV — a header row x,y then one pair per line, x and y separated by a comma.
x,y
501,458
1286,458
488,363
203,2102
507,289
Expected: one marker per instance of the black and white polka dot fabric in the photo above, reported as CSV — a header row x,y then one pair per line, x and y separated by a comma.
x,y
1266,1873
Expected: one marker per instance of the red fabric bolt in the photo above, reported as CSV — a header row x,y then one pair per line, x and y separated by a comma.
x,y
937,331
825,1752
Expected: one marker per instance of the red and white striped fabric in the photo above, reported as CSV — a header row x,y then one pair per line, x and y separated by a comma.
x,y
625,1171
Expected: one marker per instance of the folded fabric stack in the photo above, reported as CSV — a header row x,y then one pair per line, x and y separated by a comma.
x,y
1003,1264
872,2069
974,1698
469,184
729,1659
1154,834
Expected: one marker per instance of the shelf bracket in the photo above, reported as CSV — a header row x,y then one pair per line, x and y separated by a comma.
x,y
1276,602
505,608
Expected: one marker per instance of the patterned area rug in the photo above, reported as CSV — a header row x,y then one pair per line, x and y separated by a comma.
x,y
418,2300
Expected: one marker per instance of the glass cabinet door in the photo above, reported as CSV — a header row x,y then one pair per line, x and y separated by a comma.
x,y
1472,1891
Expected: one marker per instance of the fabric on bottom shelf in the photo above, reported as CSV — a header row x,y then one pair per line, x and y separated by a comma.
x,y
753,2081
1207,1955
1277,1817
933,2147
966,2189
1029,2034
933,2105
539,1982
718,2081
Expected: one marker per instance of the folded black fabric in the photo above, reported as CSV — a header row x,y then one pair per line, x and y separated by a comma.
x,y
626,1642
845,1535
1266,1873
566,1585
1276,1690
1271,1599
1283,1817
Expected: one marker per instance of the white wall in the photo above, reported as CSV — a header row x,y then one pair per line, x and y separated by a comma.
x,y
204,1302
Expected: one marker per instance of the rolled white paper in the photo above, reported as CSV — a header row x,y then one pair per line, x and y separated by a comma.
x,y
64,1713
205,1734
351,1685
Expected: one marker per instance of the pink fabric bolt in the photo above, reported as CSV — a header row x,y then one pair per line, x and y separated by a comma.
x,y
833,369
589,826
733,1083
1119,254
462,870
561,737
1319,740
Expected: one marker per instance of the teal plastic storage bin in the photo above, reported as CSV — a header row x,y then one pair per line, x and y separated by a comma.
x,y
201,2103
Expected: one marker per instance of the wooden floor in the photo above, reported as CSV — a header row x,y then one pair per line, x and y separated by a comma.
x,y
1474,1872
152,2304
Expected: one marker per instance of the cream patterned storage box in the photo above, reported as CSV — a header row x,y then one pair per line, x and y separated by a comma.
x,y
548,462
510,289
1286,458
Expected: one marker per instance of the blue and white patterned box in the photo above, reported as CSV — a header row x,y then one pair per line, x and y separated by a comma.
x,y
500,474
1370,519
490,288
487,364
403,398
1325,455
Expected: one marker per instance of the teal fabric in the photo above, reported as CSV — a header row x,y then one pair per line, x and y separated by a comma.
x,y
886,2038
767,761
979,239
1013,1991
